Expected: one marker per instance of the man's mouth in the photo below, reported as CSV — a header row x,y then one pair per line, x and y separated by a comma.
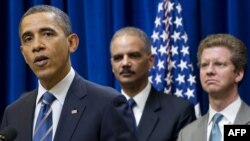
x,y
40,61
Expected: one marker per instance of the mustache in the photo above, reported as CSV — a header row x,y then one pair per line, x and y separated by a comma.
x,y
127,70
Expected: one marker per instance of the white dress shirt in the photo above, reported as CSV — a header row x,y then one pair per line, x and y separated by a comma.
x,y
140,100
229,115
59,91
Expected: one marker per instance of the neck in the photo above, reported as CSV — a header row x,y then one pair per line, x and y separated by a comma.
x,y
220,104
133,90
56,78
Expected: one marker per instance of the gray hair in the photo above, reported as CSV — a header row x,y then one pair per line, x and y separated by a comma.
x,y
134,32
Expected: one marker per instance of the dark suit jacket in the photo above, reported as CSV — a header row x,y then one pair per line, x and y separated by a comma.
x,y
163,117
102,115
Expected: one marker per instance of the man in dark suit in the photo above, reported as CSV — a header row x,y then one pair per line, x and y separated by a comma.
x,y
158,116
81,110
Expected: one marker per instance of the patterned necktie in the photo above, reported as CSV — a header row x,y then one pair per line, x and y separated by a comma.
x,y
132,103
215,134
43,129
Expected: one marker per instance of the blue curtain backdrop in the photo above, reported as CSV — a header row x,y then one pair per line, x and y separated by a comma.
x,y
95,21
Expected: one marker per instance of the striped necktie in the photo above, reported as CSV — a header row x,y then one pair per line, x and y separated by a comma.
x,y
43,129
215,134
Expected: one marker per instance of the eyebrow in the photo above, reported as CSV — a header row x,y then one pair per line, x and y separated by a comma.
x,y
46,29
27,33
129,53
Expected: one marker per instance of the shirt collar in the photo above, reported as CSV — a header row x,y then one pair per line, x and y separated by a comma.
x,y
229,112
141,97
60,89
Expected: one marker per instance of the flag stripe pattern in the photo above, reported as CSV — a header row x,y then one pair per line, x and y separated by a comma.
x,y
173,70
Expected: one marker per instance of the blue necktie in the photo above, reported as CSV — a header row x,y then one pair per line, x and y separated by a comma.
x,y
43,129
132,103
215,134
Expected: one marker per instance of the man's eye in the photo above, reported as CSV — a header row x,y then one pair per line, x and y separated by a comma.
x,y
48,34
135,55
203,65
117,58
27,39
219,64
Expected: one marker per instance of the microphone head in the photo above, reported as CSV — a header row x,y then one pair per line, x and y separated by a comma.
x,y
8,134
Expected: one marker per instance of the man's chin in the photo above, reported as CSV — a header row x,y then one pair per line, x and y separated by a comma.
x,y
211,91
215,93
128,83
43,75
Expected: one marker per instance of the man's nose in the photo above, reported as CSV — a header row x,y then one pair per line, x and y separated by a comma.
x,y
210,69
126,61
37,45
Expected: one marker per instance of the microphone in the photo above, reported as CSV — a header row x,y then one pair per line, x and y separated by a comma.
x,y
8,134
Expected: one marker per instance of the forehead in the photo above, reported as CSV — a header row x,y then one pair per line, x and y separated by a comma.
x,y
127,43
39,20
216,52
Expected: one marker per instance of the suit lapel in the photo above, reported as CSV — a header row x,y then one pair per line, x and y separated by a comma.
x,y
29,108
202,129
149,117
243,114
72,110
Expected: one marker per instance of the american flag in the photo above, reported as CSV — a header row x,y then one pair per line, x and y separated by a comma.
x,y
173,70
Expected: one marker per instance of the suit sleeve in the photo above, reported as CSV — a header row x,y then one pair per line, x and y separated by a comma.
x,y
180,136
3,122
187,116
117,124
